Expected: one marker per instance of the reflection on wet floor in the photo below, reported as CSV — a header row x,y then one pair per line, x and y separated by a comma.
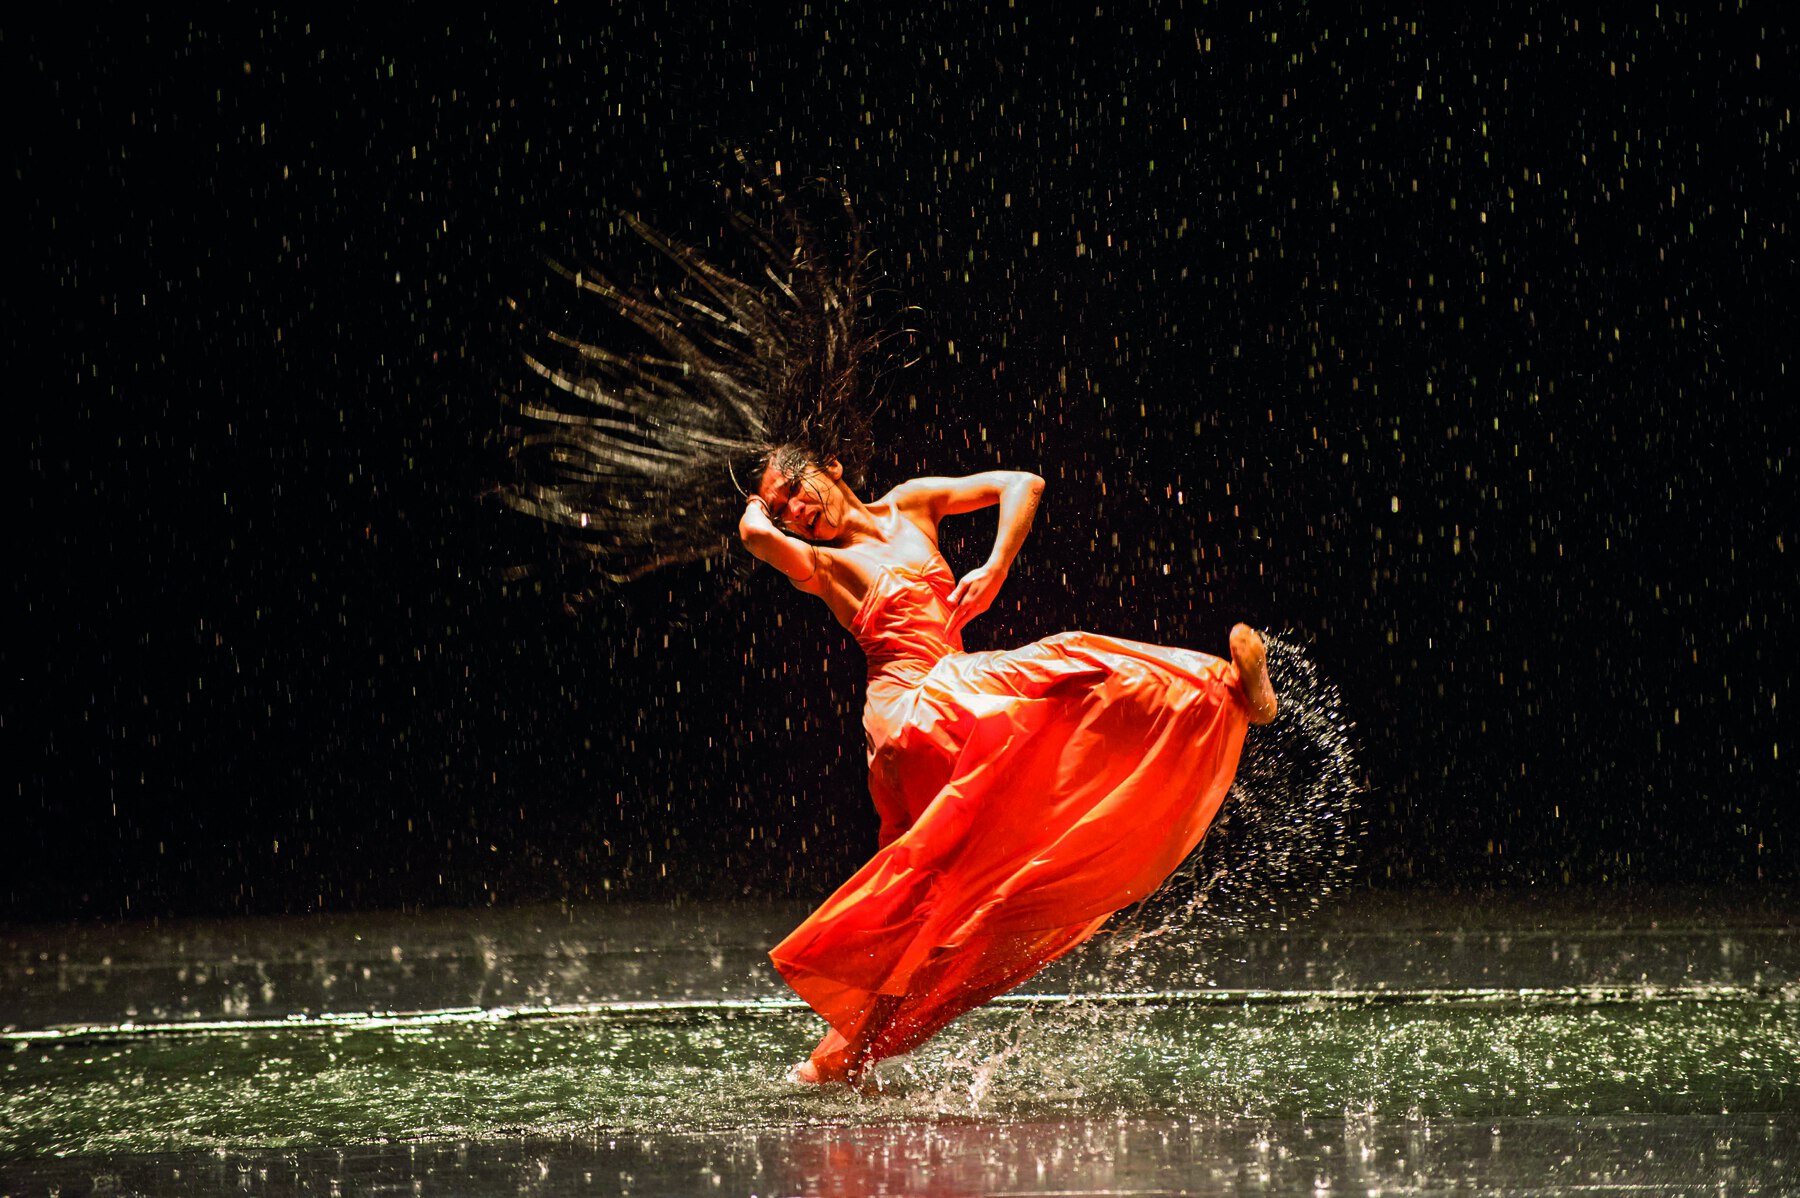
x,y
1503,1045
1737,1155
321,1084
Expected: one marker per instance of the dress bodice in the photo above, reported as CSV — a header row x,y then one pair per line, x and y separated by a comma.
x,y
903,622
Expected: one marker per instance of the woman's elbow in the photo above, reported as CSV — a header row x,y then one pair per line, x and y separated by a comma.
x,y
761,543
754,526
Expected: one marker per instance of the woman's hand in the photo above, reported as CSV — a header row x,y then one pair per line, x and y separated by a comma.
x,y
974,594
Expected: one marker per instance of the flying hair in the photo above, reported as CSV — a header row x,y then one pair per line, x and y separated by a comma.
x,y
644,439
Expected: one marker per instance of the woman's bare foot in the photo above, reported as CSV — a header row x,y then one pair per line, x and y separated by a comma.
x,y
1252,660
806,1073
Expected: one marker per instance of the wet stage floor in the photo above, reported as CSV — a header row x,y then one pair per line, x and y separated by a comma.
x,y
1384,1044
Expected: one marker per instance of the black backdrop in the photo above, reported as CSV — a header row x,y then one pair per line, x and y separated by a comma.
x,y
1459,346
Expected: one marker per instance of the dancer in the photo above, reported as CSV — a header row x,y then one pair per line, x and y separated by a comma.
x,y
1024,795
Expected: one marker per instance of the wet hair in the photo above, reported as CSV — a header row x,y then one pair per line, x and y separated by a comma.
x,y
647,439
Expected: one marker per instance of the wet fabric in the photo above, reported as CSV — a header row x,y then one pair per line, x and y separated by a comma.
x,y
1024,796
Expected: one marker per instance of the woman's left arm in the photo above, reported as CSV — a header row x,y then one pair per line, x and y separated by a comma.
x,y
1016,491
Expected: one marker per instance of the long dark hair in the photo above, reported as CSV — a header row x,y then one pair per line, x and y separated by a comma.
x,y
644,444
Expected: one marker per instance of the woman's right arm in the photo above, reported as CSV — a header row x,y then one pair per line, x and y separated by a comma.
x,y
795,558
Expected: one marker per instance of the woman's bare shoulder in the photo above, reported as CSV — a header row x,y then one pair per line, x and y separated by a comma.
x,y
908,509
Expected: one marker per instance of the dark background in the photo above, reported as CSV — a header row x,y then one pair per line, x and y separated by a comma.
x,y
1459,347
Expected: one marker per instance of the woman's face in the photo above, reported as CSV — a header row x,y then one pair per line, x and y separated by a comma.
x,y
803,497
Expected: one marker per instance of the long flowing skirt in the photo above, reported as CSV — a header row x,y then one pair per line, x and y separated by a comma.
x,y
1025,796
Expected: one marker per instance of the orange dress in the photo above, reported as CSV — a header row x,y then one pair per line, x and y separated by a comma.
x,y
1024,795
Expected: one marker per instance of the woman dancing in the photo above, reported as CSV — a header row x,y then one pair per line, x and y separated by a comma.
x,y
1024,795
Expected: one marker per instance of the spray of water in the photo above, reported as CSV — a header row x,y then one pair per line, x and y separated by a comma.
x,y
1283,842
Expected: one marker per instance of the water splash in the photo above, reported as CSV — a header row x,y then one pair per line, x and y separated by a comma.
x,y
1284,840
